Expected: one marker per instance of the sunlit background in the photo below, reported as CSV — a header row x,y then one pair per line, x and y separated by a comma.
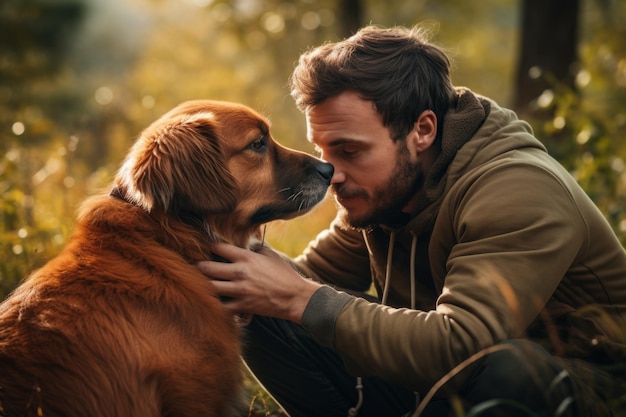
x,y
79,79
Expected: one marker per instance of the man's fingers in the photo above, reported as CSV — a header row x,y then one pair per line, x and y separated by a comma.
x,y
214,269
230,293
227,251
225,288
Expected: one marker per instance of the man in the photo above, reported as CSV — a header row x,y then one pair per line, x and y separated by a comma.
x,y
502,289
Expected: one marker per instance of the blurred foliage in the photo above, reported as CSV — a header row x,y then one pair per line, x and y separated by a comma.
x,y
585,128
79,79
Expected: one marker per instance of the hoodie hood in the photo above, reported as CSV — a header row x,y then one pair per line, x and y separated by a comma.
x,y
475,131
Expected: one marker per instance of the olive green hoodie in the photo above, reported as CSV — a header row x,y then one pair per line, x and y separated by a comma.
x,y
504,244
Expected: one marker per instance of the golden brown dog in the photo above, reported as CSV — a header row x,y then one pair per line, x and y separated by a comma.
x,y
121,323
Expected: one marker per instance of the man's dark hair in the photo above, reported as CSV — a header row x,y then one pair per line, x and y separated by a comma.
x,y
396,68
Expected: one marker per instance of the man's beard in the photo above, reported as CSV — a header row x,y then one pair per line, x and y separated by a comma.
x,y
386,202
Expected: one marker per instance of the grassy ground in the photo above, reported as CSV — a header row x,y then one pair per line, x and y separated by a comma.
x,y
263,405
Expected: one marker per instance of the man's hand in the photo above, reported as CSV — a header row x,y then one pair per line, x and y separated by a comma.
x,y
260,283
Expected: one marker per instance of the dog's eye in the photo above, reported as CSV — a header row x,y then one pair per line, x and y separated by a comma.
x,y
259,144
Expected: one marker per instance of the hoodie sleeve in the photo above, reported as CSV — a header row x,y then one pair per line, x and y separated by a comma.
x,y
321,313
509,238
337,257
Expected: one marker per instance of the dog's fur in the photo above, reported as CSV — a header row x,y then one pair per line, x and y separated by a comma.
x,y
122,323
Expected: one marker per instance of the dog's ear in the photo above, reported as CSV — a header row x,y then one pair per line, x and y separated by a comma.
x,y
177,165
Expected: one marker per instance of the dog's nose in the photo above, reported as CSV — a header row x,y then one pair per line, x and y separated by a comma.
x,y
326,170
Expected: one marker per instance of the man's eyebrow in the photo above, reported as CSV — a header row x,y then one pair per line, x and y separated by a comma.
x,y
339,141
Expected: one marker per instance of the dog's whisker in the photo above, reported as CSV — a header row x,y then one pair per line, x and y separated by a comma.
x,y
296,195
263,236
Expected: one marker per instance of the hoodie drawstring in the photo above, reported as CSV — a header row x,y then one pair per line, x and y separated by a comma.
x,y
413,250
353,412
392,240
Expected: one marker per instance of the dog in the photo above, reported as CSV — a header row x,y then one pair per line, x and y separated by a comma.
x,y
121,323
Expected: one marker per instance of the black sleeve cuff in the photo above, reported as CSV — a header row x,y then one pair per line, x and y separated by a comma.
x,y
320,315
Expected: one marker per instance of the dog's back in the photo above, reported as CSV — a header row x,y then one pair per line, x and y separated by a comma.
x,y
118,325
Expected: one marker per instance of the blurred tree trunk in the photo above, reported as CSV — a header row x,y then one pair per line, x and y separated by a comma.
x,y
350,16
547,57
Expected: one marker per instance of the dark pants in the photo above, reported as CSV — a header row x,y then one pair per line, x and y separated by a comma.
x,y
310,380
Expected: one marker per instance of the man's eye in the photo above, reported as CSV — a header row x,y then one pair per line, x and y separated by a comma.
x,y
259,144
349,151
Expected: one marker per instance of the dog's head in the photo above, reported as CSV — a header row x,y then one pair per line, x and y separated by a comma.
x,y
211,158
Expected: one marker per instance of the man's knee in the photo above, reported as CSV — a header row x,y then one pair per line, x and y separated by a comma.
x,y
521,377
519,364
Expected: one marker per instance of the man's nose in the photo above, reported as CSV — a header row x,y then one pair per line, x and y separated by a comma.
x,y
338,177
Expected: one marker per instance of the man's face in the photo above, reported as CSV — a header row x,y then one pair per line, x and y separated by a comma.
x,y
375,178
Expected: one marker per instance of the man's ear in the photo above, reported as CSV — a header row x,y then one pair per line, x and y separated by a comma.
x,y
424,131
